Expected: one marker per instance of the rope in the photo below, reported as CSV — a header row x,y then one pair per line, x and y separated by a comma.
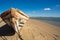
x,y
19,34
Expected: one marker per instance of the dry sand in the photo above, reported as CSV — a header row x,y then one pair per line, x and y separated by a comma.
x,y
36,30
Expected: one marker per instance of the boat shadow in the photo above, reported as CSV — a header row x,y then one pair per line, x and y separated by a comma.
x,y
6,30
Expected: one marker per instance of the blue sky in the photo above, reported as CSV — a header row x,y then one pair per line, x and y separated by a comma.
x,y
43,8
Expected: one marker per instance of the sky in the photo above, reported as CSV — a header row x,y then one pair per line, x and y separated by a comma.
x,y
33,8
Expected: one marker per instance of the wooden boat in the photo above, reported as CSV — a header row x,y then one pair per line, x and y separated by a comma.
x,y
15,18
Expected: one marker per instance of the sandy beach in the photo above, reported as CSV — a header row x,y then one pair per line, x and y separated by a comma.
x,y
36,30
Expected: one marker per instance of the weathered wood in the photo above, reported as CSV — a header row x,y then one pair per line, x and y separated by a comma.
x,y
15,18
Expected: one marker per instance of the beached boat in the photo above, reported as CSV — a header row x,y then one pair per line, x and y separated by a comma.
x,y
15,18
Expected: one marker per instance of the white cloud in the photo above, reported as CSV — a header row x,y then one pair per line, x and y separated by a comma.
x,y
47,9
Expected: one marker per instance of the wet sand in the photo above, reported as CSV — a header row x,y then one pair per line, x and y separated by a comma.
x,y
36,30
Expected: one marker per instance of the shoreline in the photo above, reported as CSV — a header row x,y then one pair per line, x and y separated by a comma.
x,y
50,22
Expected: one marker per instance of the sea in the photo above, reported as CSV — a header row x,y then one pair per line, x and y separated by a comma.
x,y
51,20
